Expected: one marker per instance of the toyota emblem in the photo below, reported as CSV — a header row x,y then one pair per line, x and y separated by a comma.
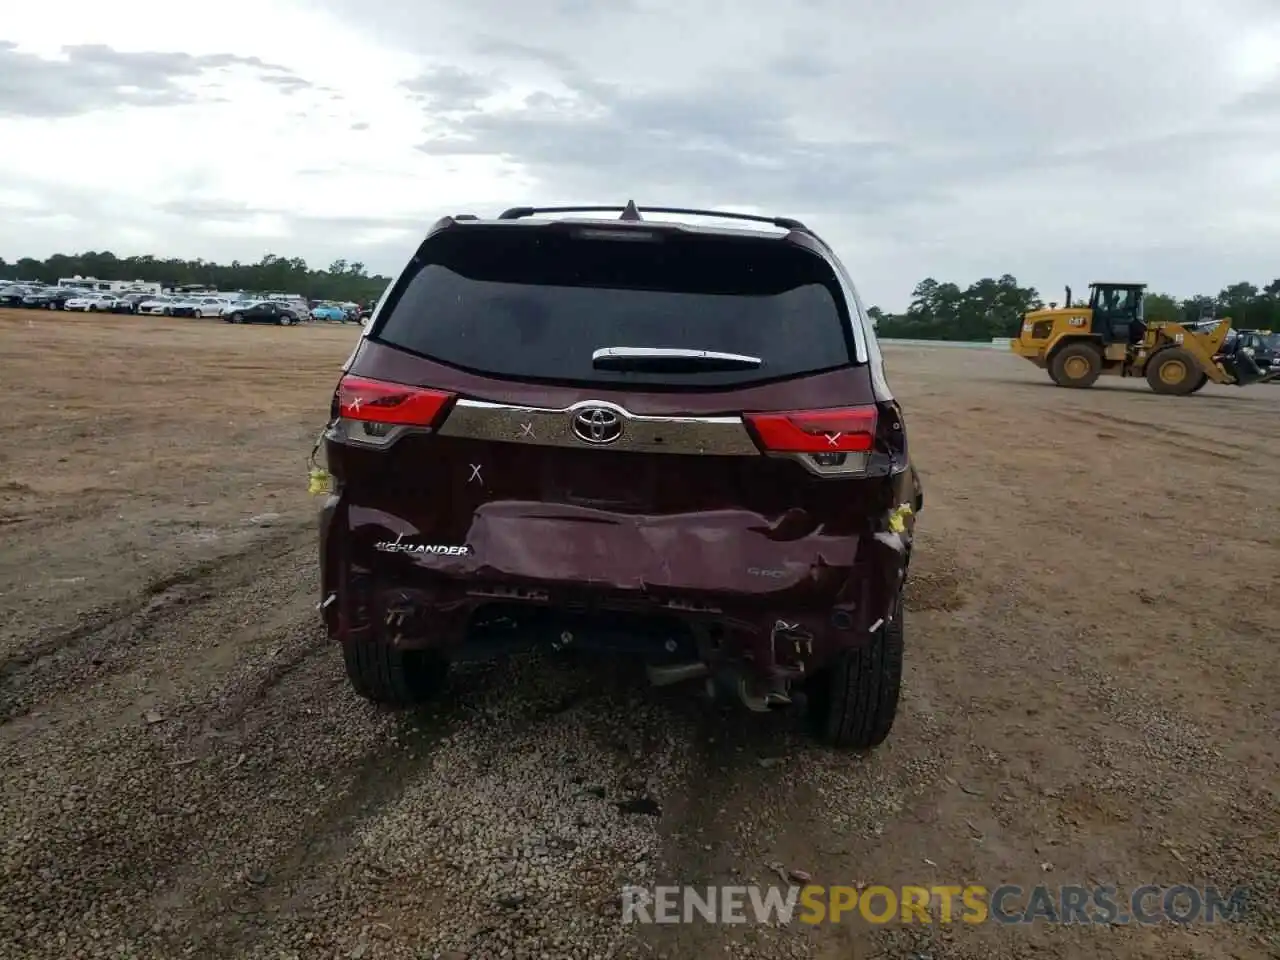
x,y
597,425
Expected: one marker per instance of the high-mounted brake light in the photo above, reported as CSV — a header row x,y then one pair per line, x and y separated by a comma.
x,y
845,430
392,404
627,234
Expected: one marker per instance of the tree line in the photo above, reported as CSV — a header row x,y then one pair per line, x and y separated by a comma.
x,y
993,308
343,281
983,310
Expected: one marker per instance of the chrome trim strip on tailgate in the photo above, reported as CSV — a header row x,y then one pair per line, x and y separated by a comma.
x,y
539,426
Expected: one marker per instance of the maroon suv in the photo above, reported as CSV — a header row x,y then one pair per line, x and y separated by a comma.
x,y
667,441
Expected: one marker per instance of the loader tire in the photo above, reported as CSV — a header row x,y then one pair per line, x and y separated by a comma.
x,y
853,702
1174,372
391,677
1076,365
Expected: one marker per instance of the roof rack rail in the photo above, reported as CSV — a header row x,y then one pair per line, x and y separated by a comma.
x,y
632,212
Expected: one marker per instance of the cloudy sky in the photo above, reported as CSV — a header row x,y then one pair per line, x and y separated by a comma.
x,y
1061,142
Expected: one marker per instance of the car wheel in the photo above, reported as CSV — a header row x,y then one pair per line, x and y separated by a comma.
x,y
853,702
283,320
392,677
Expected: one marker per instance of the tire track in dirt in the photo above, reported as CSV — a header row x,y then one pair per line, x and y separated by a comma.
x,y
283,895
1184,442
1148,427
57,512
287,811
109,813
1207,446
112,638
515,799
509,790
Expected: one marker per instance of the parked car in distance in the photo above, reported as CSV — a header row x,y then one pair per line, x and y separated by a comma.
x,y
1264,344
671,442
50,298
213,306
198,307
128,303
264,311
156,306
328,311
300,309
244,303
13,295
92,303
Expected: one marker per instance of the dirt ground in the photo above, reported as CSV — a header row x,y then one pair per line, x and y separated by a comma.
x,y
1092,692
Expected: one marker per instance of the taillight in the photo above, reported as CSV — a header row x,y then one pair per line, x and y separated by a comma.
x,y
833,441
378,401
376,412
849,430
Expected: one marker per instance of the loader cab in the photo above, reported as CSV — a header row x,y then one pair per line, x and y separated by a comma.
x,y
1118,311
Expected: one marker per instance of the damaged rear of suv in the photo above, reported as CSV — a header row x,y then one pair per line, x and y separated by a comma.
x,y
667,440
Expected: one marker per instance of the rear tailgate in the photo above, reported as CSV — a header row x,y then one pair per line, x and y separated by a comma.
x,y
528,462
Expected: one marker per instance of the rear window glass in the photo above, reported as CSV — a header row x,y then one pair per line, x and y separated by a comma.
x,y
529,302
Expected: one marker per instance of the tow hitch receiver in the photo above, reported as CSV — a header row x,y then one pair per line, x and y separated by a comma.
x,y
771,689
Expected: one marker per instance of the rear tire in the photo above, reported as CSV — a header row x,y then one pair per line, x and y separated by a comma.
x,y
1174,372
853,702
390,677
1076,365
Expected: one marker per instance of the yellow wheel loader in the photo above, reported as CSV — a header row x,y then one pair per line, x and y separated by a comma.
x,y
1077,344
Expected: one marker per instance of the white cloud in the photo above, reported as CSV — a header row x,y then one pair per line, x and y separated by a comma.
x,y
1058,142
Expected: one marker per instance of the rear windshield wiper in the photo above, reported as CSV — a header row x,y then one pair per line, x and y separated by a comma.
x,y
670,360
